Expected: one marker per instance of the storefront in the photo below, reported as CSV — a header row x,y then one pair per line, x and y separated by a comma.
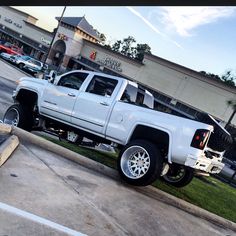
x,y
19,28
177,89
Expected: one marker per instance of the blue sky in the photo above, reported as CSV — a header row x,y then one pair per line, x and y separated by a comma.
x,y
200,38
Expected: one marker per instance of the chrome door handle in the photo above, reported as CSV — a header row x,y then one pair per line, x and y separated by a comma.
x,y
104,103
71,94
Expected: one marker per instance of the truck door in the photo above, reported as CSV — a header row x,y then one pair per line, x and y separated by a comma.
x,y
58,100
93,106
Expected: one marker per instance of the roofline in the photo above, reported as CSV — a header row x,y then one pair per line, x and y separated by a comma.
x,y
190,72
37,27
83,18
57,18
117,53
19,11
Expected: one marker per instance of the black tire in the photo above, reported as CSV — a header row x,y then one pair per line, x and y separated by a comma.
x,y
220,140
19,115
147,159
21,65
178,175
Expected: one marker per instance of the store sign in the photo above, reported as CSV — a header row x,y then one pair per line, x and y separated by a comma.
x,y
93,55
111,63
62,37
8,20
45,41
18,25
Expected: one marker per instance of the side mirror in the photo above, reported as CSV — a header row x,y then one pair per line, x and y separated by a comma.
x,y
51,76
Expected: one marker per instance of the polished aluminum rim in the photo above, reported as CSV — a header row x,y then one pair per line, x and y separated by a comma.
x,y
11,117
135,162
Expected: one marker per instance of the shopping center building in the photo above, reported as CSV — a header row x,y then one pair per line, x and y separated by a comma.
x,y
75,45
177,89
20,29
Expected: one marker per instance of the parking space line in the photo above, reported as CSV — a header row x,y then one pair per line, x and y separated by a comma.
x,y
39,219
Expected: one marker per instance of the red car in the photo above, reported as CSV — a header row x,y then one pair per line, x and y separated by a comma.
x,y
10,49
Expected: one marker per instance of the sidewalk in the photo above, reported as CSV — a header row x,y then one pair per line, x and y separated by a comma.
x,y
87,198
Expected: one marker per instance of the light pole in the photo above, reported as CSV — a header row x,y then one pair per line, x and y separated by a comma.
x,y
55,33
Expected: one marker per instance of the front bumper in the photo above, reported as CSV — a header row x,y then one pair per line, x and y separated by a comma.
x,y
212,166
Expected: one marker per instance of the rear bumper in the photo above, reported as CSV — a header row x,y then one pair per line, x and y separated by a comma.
x,y
213,166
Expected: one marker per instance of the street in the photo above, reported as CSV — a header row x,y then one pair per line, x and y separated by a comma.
x,y
45,194
9,75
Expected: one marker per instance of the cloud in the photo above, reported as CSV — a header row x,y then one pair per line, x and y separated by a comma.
x,y
150,25
185,19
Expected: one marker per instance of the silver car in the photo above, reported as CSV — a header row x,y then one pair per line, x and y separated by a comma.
x,y
33,65
5,56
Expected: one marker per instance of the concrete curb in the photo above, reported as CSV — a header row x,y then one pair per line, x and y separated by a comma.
x,y
7,148
148,191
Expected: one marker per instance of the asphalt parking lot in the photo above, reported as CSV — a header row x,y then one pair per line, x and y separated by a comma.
x,y
43,193
83,201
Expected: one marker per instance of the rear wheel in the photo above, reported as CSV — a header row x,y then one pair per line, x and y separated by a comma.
x,y
140,163
19,115
178,175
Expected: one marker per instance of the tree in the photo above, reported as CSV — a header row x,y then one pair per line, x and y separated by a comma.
x,y
127,48
101,36
228,78
231,103
116,46
140,50
210,75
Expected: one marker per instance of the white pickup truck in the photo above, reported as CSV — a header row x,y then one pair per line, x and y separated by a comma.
x,y
119,112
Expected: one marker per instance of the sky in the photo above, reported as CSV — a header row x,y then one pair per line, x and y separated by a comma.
x,y
200,38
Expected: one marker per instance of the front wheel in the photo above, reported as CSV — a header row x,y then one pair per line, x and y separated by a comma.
x,y
178,175
140,163
20,116
21,65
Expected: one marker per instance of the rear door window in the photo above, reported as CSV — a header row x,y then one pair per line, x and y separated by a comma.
x,y
102,86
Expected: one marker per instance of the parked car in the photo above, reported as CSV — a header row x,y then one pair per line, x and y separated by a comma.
x,y
33,66
228,173
5,56
21,60
27,63
10,48
13,58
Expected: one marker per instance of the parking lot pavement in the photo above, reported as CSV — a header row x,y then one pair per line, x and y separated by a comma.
x,y
10,72
74,200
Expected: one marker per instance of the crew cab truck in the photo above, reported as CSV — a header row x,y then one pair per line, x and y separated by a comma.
x,y
117,111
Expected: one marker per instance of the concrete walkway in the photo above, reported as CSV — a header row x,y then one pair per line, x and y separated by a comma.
x,y
43,193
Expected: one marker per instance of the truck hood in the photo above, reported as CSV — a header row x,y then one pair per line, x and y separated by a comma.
x,y
31,83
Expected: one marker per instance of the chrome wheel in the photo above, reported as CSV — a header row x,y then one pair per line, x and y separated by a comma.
x,y
175,174
178,175
11,117
135,162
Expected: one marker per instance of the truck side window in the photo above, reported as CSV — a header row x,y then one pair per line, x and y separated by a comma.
x,y
129,94
73,80
137,96
102,86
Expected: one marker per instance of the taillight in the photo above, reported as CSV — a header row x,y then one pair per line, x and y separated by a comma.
x,y
200,138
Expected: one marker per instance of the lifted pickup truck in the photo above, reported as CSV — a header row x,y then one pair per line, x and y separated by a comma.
x,y
117,111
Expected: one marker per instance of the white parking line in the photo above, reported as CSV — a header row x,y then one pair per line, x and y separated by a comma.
x,y
39,219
